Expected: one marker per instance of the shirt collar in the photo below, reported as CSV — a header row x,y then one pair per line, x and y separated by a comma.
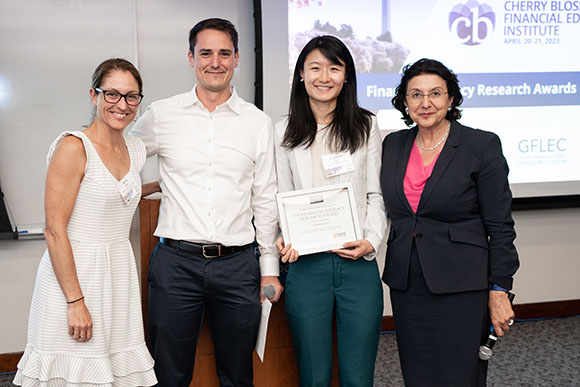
x,y
233,102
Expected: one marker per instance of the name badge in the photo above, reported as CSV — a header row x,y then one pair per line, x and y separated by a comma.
x,y
128,188
337,163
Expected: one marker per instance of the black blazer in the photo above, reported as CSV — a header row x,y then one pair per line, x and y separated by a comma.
x,y
463,227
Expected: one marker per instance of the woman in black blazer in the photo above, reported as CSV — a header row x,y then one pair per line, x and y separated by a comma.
x,y
450,255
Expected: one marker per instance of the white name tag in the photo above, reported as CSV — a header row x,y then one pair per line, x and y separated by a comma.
x,y
128,188
337,164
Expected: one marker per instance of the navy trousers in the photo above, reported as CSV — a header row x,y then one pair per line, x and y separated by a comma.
x,y
183,287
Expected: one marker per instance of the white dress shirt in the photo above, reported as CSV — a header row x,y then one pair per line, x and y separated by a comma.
x,y
301,168
217,172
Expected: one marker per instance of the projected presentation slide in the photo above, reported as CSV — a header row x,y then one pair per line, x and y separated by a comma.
x,y
518,64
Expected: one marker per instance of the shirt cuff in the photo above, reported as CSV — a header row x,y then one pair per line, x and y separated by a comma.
x,y
269,265
375,244
495,287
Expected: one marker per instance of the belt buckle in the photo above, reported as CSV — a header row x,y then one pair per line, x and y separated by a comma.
x,y
205,255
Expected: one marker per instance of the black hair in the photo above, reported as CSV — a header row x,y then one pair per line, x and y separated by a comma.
x,y
351,124
213,24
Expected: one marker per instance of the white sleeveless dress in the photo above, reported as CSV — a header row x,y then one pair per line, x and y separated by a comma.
x,y
99,234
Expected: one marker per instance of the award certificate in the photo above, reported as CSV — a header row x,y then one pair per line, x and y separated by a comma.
x,y
318,219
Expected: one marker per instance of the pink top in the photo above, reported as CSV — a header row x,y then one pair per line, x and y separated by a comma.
x,y
416,177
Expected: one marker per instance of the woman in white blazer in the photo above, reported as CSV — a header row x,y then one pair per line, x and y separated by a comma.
x,y
324,119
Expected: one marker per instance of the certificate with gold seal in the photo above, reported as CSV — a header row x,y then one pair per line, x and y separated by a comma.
x,y
318,219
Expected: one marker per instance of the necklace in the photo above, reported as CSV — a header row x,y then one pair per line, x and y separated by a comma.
x,y
438,143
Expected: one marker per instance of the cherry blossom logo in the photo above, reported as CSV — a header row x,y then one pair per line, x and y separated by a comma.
x,y
472,23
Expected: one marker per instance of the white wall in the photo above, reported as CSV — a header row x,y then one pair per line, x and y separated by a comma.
x,y
548,240
18,263
549,246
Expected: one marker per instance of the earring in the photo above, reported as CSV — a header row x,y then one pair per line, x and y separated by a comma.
x,y
301,79
449,108
406,110
345,81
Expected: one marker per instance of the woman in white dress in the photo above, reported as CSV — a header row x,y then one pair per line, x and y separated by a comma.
x,y
85,326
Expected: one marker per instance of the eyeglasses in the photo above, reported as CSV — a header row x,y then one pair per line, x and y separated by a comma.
x,y
112,96
434,96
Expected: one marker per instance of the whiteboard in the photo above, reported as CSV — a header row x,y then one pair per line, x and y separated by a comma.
x,y
48,51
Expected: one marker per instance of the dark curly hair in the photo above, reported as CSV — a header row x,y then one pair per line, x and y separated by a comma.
x,y
428,66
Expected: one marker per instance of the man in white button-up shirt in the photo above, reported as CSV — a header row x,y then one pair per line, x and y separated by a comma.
x,y
218,181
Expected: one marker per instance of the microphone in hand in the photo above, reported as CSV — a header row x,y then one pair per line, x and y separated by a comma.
x,y
269,291
485,350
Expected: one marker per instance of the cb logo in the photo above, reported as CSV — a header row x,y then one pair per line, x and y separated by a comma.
x,y
472,23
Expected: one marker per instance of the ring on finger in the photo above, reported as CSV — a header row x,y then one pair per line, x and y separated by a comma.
x,y
510,322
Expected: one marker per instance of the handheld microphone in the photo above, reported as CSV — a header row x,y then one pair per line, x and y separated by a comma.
x,y
485,350
269,291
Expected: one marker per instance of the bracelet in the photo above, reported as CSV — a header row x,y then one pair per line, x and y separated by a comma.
x,y
77,300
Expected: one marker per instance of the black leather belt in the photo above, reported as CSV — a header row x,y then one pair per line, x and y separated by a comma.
x,y
208,251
